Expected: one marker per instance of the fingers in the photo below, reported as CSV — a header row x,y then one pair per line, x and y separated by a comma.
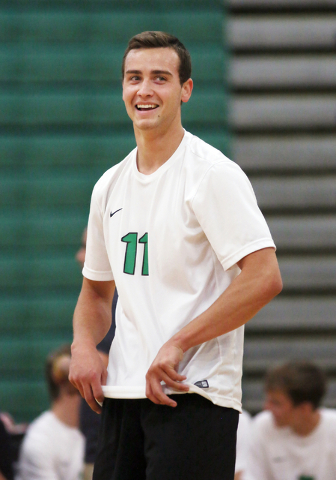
x,y
174,382
93,395
156,395
89,385
170,377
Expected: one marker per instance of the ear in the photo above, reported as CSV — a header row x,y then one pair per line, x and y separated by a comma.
x,y
186,90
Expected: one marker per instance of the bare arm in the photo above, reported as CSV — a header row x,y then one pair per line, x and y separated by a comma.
x,y
258,282
91,322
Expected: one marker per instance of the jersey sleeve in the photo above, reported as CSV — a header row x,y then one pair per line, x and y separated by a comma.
x,y
97,265
227,210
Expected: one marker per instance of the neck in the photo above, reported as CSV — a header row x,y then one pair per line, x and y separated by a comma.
x,y
154,148
307,424
66,409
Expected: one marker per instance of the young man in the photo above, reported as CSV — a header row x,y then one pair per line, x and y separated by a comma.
x,y
53,447
177,228
294,439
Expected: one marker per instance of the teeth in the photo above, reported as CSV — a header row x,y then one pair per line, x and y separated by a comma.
x,y
146,106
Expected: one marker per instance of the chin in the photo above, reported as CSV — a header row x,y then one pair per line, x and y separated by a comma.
x,y
280,423
145,125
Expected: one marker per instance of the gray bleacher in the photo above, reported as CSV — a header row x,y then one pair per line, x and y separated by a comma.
x,y
283,116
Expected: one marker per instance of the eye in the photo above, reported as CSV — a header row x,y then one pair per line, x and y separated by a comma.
x,y
160,78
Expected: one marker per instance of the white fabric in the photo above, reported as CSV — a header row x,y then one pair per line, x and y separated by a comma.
x,y
51,451
243,442
201,217
280,454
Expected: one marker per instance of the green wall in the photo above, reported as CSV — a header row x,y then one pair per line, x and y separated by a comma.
x,y
62,124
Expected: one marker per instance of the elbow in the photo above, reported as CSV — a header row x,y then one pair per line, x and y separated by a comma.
x,y
274,284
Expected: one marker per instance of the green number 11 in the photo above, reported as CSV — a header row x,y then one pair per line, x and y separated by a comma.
x,y
131,249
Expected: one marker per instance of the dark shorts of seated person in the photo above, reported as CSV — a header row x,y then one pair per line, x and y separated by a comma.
x,y
140,440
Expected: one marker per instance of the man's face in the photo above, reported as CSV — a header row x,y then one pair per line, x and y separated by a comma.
x,y
151,88
282,408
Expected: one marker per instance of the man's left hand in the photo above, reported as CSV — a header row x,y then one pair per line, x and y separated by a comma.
x,y
164,368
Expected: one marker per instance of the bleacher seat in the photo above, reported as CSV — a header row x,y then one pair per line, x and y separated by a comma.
x,y
48,314
290,314
281,72
94,64
304,233
295,32
295,193
44,271
50,27
283,118
299,152
273,351
284,112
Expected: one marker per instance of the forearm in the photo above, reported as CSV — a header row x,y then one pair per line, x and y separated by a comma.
x,y
254,287
92,316
92,320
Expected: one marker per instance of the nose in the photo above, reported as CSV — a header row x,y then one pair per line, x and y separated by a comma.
x,y
145,89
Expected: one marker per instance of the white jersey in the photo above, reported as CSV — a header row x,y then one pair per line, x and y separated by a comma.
x,y
280,454
171,241
51,450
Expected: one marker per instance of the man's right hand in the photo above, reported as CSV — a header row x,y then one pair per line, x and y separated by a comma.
x,y
88,373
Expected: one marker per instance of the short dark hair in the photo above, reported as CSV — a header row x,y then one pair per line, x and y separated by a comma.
x,y
301,381
161,40
56,370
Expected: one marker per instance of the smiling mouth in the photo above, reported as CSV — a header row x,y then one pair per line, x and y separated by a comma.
x,y
143,108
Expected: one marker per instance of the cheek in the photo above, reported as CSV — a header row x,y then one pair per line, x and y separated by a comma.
x,y
126,94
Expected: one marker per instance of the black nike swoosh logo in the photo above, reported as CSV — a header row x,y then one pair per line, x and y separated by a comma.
x,y
111,214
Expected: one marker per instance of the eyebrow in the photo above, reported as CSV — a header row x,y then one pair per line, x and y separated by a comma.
x,y
155,72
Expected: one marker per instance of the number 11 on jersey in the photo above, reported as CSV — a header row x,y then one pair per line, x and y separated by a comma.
x,y
131,239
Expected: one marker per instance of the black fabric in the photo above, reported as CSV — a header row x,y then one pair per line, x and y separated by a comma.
x,y
143,441
6,454
89,425
89,421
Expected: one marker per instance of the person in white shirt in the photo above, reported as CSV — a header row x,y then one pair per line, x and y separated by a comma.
x,y
176,228
243,444
53,447
294,439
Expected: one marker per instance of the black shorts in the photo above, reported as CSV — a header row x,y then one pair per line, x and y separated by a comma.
x,y
140,440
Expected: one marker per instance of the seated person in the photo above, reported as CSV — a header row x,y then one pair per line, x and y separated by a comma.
x,y
294,439
6,455
53,448
243,443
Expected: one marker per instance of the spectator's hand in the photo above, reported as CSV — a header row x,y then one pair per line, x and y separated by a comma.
x,y
164,368
88,373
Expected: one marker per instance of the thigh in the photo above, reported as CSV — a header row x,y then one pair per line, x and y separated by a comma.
x,y
194,441
120,454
